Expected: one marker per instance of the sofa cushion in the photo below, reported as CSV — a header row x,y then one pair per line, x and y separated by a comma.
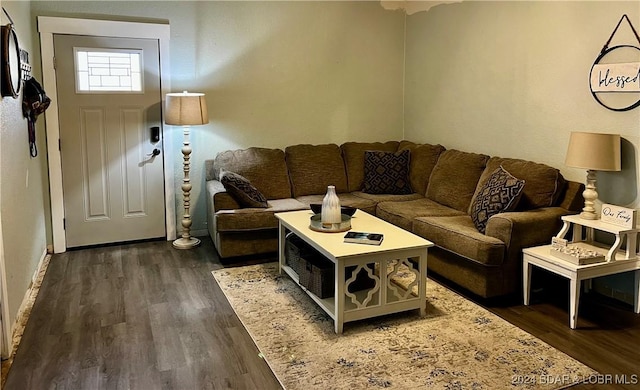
x,y
346,199
423,160
242,191
234,244
314,167
255,219
386,172
353,154
498,194
264,168
455,177
402,213
543,184
377,198
459,235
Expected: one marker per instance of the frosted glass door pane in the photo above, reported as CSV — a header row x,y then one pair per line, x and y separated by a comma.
x,y
108,70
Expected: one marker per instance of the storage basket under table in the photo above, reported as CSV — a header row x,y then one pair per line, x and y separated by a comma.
x,y
315,272
317,276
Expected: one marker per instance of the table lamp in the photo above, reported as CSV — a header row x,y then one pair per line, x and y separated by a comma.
x,y
186,109
593,152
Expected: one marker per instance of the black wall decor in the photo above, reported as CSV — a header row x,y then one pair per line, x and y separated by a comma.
x,y
25,65
617,78
11,71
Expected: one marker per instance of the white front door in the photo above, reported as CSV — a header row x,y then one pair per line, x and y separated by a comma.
x,y
109,105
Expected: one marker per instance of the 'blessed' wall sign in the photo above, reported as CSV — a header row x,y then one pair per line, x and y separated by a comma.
x,y
616,77
608,79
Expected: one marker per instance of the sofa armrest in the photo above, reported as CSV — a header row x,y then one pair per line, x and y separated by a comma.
x,y
572,198
219,197
523,229
526,228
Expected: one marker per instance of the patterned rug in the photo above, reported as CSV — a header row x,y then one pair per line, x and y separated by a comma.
x,y
457,345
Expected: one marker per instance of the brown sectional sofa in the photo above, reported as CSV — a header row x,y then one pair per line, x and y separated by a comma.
x,y
444,182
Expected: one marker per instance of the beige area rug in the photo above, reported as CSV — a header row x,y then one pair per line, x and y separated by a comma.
x,y
458,345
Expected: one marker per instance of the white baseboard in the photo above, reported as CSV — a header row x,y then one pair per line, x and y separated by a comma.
x,y
613,293
199,233
27,301
194,233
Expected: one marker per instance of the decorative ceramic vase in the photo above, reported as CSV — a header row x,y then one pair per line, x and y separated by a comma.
x,y
330,208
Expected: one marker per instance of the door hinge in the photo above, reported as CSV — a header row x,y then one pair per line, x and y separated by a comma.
x,y
55,65
59,144
64,224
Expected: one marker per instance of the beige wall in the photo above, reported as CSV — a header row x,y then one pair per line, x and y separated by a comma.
x,y
512,79
275,73
23,180
503,78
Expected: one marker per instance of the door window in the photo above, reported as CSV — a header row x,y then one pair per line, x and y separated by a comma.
x,y
108,70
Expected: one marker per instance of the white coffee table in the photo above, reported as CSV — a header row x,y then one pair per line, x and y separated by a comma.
x,y
397,248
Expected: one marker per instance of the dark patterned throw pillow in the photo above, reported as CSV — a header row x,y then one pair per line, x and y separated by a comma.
x,y
242,190
500,193
386,172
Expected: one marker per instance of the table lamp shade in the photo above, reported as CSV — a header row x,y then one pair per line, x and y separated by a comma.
x,y
594,151
185,109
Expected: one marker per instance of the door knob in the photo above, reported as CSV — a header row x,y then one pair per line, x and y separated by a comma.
x,y
155,152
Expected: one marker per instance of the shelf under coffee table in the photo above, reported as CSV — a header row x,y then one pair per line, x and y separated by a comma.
x,y
399,248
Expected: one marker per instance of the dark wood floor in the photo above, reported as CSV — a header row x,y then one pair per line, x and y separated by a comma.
x,y
139,316
146,316
607,338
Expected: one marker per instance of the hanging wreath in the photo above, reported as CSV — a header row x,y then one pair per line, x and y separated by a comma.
x,y
622,79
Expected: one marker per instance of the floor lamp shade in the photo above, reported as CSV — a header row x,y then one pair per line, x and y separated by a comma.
x,y
184,109
593,152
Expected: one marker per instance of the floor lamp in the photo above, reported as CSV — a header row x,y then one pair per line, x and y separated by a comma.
x,y
593,152
186,109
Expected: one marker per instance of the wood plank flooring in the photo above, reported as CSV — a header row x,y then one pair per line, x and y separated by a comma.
x,y
146,316
607,338
139,316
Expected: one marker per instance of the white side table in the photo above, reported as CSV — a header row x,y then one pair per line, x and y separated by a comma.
x,y
617,261
620,234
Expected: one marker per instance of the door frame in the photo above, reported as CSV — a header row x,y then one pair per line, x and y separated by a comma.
x,y
5,325
47,27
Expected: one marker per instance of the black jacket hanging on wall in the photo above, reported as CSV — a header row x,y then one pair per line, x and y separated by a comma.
x,y
34,102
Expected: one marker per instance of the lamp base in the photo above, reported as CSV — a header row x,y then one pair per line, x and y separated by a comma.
x,y
186,243
588,215
590,196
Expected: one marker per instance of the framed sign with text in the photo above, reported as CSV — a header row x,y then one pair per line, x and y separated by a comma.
x,y
615,75
619,216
